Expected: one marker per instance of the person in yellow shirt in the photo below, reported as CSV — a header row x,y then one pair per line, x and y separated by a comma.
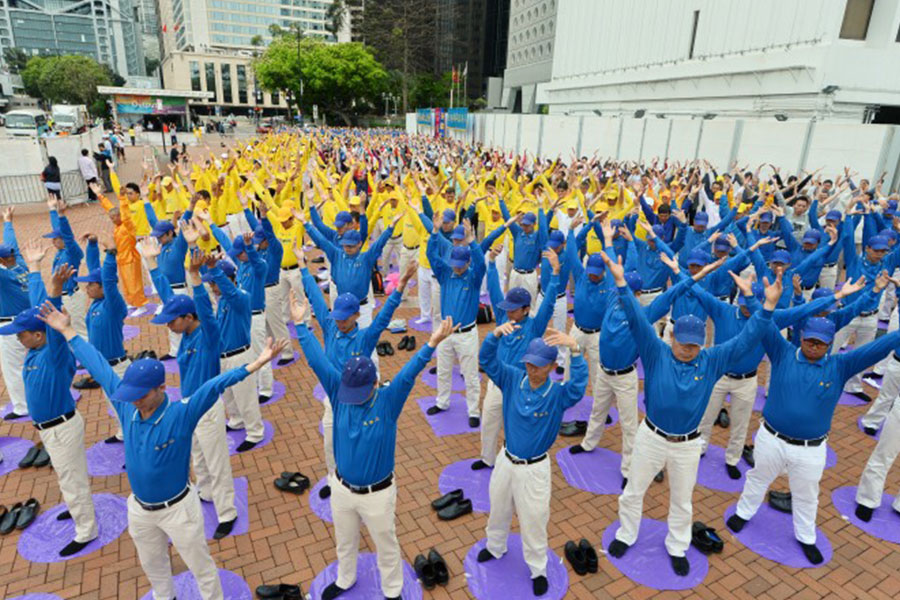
x,y
290,231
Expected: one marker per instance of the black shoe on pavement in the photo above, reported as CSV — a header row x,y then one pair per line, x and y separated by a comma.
x,y
411,343
577,449
735,523
680,565
13,416
870,431
86,383
424,571
167,356
812,553
480,464
332,592
447,499
439,565
433,410
747,455
284,361
224,529
862,396
278,592
455,510
576,557
485,555
29,457
324,492
112,440
733,471
74,547
474,422
539,585
723,420
863,513
781,501
245,445
590,555
264,398
402,344
617,549
64,516
658,478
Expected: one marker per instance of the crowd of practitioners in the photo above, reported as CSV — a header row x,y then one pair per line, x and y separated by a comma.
x,y
702,274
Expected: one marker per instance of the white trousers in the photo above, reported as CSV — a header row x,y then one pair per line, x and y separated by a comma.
x,y
12,363
290,280
590,347
365,312
871,484
241,401
394,246
237,224
464,348
647,298
174,342
652,453
183,524
865,329
887,395
501,262
804,466
743,395
893,325
263,377
65,445
491,423
529,281
425,283
212,465
828,276
119,369
888,301
328,435
376,511
76,305
435,301
276,323
525,488
624,390
558,322
407,255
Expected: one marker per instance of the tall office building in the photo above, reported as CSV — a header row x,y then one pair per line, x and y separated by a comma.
x,y
529,57
149,12
106,30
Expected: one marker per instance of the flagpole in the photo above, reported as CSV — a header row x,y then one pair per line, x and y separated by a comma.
x,y
452,77
466,84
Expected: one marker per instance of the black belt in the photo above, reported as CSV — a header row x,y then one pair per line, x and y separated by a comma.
x,y
367,489
74,290
586,330
724,297
257,312
806,288
829,265
396,237
896,357
744,376
177,286
468,327
683,437
54,422
523,461
560,295
410,247
364,301
234,352
6,319
116,361
291,268
794,441
614,372
161,505
652,290
868,314
273,284
524,271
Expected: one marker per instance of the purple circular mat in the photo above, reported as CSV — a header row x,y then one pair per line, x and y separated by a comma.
x,y
368,581
236,437
321,428
770,534
275,360
453,421
130,331
417,324
319,393
8,408
14,449
711,472
647,561
849,400
598,471
233,587
321,508
211,520
877,436
142,311
171,366
508,576
43,539
105,460
278,392
37,597
582,411
474,484
885,523
457,382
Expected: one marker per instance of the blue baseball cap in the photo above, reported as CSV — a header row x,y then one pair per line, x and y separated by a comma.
x,y
890,234
351,238
237,247
345,306
342,218
6,250
176,306
616,223
701,218
878,242
698,257
449,214
890,212
766,217
529,219
758,292
459,233
811,237
819,328
634,280
223,265
833,215
259,235
459,256
690,330
782,257
595,265
27,320
516,297
92,277
357,380
824,292
539,353
556,239
658,230
56,233
722,244
140,378
161,228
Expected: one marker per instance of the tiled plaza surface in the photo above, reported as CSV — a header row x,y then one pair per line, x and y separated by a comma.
x,y
287,542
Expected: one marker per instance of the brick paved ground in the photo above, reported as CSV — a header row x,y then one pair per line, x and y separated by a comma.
x,y
288,542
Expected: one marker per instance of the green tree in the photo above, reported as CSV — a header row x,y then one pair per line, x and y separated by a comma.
x,y
15,59
69,79
33,72
336,13
151,64
428,90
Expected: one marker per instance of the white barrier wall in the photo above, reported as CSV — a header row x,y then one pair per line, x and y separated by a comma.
x,y
792,145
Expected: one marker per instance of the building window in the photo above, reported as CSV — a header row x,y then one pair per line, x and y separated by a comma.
x,y
195,76
226,84
855,25
242,84
275,99
694,33
211,80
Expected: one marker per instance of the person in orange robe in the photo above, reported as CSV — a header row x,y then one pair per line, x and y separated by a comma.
x,y
127,256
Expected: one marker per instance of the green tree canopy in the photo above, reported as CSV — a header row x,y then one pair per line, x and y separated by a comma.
x,y
69,79
15,59
343,79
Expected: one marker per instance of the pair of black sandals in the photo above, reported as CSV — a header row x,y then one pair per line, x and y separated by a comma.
x,y
384,349
705,539
292,482
36,456
20,516
408,343
452,505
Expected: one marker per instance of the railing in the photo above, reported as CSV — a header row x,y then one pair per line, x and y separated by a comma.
x,y
23,189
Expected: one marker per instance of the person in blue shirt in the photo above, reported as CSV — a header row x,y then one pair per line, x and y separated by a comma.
x,y
158,438
343,338
533,408
677,383
828,274
13,300
48,371
528,244
699,233
515,307
805,389
365,439
171,260
459,278
556,243
68,252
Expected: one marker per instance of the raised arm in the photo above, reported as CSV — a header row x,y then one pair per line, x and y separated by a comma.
x,y
318,362
398,391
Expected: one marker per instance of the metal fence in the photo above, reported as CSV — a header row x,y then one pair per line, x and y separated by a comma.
x,y
23,189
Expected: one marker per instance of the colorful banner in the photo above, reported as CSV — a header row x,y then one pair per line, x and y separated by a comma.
x,y
423,116
149,105
458,118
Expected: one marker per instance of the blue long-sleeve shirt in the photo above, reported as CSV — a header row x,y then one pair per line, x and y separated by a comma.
x,y
273,252
513,346
764,272
172,253
803,394
365,435
840,317
158,448
531,417
565,268
676,393
232,312
341,347
654,273
592,298
459,293
71,254
251,276
858,266
105,316
13,280
331,234
529,246
834,254
352,274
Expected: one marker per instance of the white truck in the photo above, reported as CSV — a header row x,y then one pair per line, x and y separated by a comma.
x,y
72,118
